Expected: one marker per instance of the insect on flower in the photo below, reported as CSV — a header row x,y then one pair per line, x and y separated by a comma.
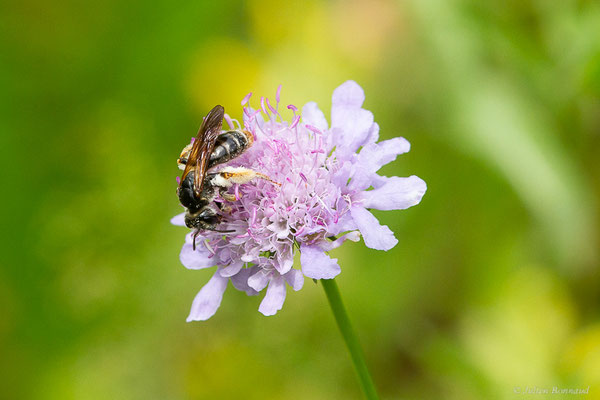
x,y
318,183
198,189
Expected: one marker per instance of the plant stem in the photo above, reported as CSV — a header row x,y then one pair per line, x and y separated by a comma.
x,y
343,322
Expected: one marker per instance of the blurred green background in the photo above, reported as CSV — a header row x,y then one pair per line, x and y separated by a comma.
x,y
493,286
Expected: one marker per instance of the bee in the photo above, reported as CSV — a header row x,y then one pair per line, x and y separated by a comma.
x,y
198,188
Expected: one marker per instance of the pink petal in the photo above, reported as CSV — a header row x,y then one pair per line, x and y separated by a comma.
x,y
375,155
231,269
316,264
371,158
295,279
285,259
341,176
353,236
274,298
259,280
373,135
313,116
345,223
350,124
350,127
348,94
378,237
395,194
240,281
179,219
198,259
208,300
362,178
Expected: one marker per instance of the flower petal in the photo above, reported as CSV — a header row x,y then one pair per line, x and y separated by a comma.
x,y
240,281
208,299
198,259
231,269
259,280
375,155
371,158
342,175
353,236
344,224
285,259
295,279
316,264
348,94
350,124
274,298
395,194
350,127
378,237
373,135
179,219
311,115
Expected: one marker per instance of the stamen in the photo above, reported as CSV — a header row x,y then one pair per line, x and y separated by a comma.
x,y
277,95
348,200
262,105
229,121
303,177
313,128
295,122
246,99
254,114
210,249
274,111
325,206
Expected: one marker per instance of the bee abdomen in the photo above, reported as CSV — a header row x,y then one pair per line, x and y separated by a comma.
x,y
228,146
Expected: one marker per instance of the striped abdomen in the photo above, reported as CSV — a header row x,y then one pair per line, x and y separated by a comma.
x,y
229,145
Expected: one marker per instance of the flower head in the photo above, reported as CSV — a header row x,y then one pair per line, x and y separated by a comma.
x,y
328,182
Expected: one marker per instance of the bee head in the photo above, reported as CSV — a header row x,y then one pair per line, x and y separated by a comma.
x,y
205,219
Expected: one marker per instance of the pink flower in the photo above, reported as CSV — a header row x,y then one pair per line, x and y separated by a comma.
x,y
329,181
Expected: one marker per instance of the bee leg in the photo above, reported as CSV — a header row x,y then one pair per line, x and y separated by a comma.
x,y
240,175
228,196
194,239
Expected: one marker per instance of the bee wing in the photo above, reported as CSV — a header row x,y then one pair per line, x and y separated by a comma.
x,y
203,147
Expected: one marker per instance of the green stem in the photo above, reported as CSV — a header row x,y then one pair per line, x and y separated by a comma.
x,y
358,358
